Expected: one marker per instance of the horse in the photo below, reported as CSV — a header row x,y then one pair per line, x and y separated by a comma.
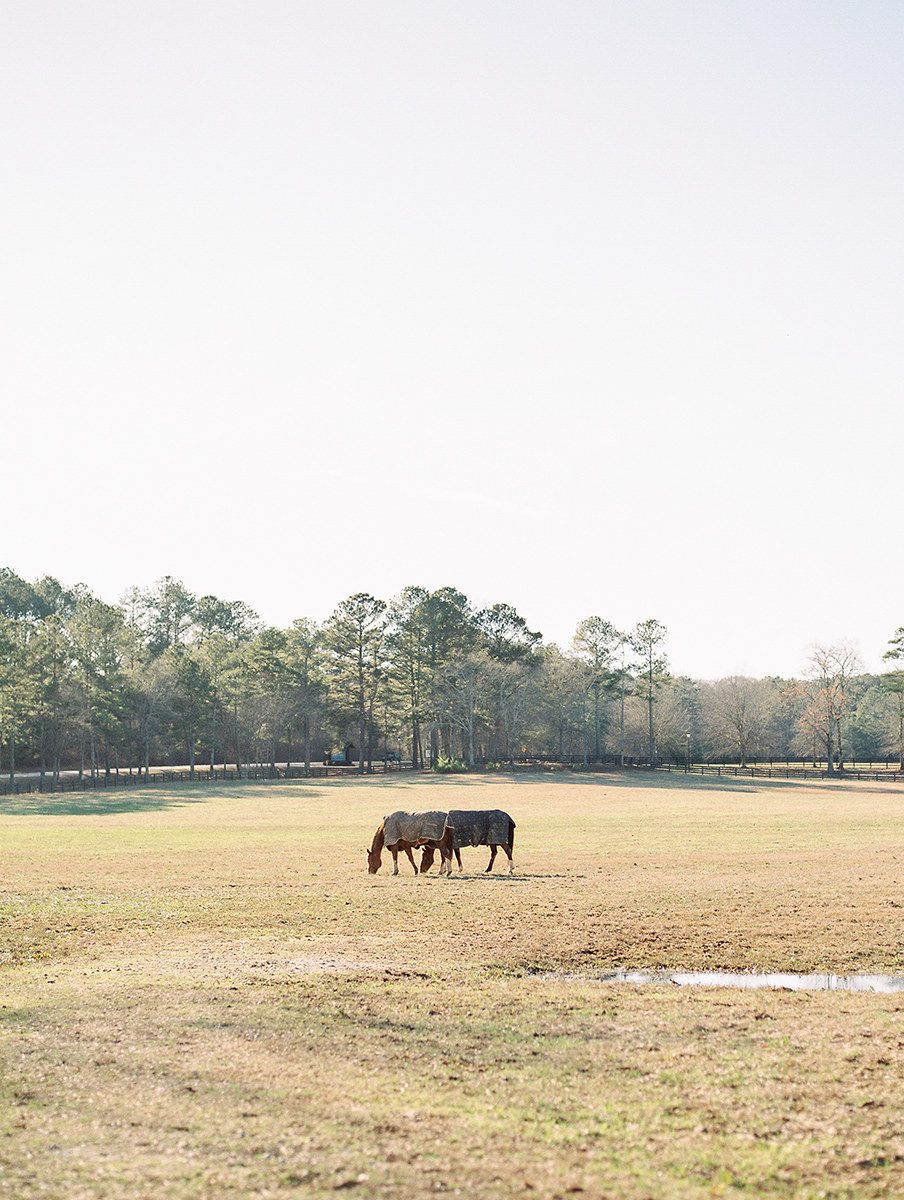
x,y
404,831
482,827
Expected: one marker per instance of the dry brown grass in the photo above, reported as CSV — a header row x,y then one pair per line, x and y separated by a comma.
x,y
204,994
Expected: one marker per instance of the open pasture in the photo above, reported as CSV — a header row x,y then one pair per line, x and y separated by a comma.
x,y
204,994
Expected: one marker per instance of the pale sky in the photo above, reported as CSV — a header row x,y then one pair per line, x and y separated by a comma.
x,y
588,307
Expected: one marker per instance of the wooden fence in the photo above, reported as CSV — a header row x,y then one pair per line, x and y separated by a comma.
x,y
27,784
875,774
162,777
782,769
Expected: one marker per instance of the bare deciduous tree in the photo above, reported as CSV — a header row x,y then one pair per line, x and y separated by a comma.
x,y
827,690
738,711
461,690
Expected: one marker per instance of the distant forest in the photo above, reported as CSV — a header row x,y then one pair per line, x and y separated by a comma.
x,y
166,677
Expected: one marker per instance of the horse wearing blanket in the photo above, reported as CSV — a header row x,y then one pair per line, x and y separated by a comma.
x,y
403,831
488,827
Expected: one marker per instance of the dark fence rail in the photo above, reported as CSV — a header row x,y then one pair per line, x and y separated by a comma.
x,y
27,784
887,771
783,769
861,772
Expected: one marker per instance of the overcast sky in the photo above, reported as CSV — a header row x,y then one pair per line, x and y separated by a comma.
x,y
588,307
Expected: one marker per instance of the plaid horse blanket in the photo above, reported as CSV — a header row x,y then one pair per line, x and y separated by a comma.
x,y
482,827
414,827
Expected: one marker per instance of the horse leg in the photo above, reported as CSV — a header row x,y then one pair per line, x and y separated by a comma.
x,y
458,857
493,849
508,851
411,858
445,846
395,861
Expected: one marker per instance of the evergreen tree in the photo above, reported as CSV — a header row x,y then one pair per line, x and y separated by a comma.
x,y
893,683
652,670
595,642
307,686
354,641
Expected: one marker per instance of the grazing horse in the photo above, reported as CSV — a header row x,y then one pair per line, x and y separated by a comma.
x,y
487,827
403,831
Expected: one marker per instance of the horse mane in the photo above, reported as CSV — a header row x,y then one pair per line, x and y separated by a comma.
x,y
377,844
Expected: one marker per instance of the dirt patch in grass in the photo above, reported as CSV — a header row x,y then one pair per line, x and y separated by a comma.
x,y
259,1078
215,999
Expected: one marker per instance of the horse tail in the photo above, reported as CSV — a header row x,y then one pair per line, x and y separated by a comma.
x,y
511,836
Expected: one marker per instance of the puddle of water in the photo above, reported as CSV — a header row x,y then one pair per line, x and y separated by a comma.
x,y
725,979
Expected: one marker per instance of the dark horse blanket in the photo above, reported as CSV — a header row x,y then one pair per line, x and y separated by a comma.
x,y
413,827
489,827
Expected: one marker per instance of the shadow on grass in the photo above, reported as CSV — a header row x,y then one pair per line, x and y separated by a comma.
x,y
156,799
118,801
684,782
508,880
615,778
93,804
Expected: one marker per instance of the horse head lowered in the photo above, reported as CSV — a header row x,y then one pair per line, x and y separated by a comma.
x,y
404,831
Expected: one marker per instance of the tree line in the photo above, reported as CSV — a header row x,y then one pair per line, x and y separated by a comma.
x,y
167,677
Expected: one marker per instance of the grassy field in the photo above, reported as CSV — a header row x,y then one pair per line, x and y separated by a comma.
x,y
203,994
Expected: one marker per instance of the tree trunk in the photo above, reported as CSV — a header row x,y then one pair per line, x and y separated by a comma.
x,y
415,742
236,737
650,712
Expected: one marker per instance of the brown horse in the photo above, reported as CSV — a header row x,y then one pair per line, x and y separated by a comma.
x,y
404,831
481,827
